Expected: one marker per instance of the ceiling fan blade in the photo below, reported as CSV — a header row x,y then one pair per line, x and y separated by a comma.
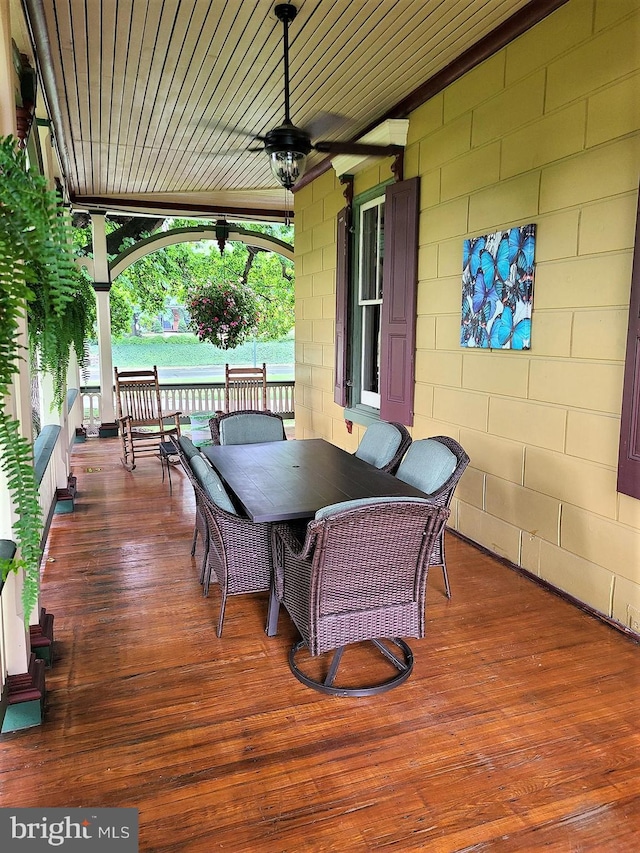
x,y
233,152
363,148
214,125
252,136
326,124
246,133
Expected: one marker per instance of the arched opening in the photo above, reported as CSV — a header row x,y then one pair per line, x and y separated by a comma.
x,y
220,233
264,250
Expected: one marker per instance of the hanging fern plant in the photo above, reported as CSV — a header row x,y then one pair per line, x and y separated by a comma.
x,y
37,271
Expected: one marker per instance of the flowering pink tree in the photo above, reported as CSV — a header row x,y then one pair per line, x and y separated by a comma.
x,y
224,313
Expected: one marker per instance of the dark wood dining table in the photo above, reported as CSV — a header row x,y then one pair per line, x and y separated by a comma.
x,y
287,480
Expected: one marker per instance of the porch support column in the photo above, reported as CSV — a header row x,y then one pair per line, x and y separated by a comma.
x,y
102,285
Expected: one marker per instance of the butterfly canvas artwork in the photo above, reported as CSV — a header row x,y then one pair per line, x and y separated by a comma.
x,y
497,289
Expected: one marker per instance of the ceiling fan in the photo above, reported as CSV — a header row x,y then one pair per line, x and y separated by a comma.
x,y
287,145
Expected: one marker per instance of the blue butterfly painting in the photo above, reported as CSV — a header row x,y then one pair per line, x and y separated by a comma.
x,y
522,242
484,292
471,254
495,267
507,334
497,289
473,332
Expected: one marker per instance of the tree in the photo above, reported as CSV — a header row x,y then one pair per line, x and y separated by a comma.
x,y
272,278
145,287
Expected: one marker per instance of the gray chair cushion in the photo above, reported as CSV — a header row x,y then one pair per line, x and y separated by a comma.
x,y
188,447
250,429
427,465
332,509
379,444
212,484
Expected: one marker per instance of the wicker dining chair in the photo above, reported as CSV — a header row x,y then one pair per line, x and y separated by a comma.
x,y
239,552
435,465
360,574
248,426
186,450
383,445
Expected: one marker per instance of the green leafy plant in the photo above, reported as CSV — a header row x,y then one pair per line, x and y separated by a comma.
x,y
37,275
17,463
223,313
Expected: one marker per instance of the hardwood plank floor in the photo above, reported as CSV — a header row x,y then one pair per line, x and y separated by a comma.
x,y
517,731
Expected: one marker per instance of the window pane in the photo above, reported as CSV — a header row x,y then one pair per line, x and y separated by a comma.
x,y
369,259
371,348
369,254
380,248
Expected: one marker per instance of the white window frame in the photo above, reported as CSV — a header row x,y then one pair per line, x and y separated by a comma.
x,y
366,306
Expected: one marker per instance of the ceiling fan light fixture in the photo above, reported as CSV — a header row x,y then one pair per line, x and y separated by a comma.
x,y
288,167
287,147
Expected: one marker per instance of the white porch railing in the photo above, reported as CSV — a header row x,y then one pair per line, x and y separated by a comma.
x,y
191,399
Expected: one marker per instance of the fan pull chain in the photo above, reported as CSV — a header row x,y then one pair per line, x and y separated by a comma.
x,y
287,208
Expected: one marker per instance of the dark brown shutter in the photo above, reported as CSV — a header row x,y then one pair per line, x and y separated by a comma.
x,y
629,454
343,241
400,285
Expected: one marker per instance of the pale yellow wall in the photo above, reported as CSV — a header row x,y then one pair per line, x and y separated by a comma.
x,y
546,131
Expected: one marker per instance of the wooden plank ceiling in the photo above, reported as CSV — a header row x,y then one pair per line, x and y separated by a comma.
x,y
156,103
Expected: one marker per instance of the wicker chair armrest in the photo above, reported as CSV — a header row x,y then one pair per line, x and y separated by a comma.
x,y
290,538
441,497
214,429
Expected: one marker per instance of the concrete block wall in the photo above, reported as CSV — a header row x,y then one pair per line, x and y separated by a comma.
x,y
545,131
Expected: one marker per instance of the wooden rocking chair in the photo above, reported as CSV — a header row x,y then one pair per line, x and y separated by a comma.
x,y
140,417
245,388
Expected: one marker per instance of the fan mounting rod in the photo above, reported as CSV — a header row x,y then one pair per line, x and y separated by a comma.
x,y
286,13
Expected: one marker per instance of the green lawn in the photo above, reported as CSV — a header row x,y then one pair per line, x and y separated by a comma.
x,y
185,350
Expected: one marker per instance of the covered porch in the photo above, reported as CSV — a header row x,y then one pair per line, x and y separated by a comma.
x,y
516,731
